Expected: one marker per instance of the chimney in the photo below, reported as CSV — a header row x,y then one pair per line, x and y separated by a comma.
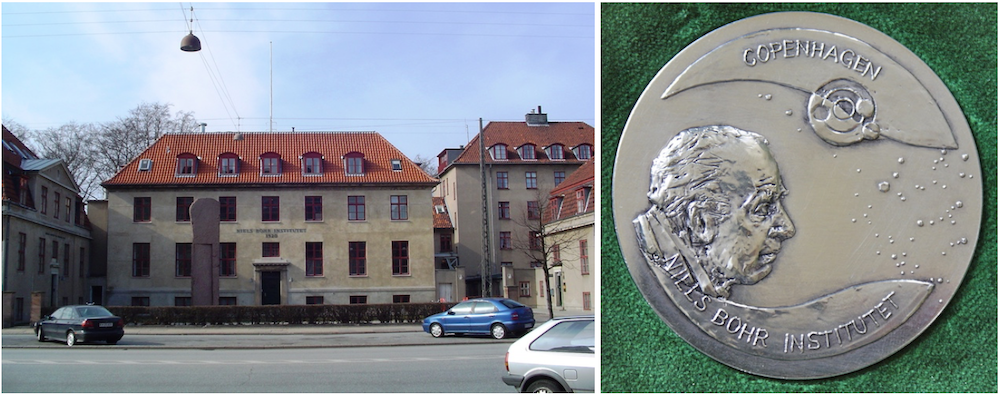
x,y
203,126
536,119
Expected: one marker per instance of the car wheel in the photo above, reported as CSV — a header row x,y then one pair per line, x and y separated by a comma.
x,y
544,386
39,334
498,331
436,330
70,338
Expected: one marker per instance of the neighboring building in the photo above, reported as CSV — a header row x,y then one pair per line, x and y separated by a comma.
x,y
524,161
331,218
450,276
569,238
46,239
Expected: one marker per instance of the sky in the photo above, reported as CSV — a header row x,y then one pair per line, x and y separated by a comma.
x,y
421,74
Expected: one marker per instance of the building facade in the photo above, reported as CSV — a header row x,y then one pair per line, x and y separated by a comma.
x,y
46,237
523,162
304,218
569,239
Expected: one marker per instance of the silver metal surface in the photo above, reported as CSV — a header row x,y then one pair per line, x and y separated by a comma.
x,y
801,197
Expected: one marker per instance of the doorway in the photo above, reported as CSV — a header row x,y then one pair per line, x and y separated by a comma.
x,y
270,288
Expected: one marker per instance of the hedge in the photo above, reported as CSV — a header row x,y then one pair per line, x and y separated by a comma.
x,y
277,314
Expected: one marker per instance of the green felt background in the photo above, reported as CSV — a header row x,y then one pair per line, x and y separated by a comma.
x,y
958,353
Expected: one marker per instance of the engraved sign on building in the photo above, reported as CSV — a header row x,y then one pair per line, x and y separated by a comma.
x,y
801,196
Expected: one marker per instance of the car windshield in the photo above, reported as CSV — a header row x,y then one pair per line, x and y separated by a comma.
x,y
511,304
570,336
92,311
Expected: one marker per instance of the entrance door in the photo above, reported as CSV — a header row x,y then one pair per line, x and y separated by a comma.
x,y
270,288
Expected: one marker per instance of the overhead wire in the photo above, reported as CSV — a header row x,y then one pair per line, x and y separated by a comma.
x,y
214,76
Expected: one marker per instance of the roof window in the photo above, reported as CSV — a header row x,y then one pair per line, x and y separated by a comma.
x,y
145,164
186,165
527,152
270,164
498,152
397,165
312,164
354,164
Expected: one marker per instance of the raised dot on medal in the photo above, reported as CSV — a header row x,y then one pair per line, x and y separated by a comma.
x,y
902,263
920,223
961,175
882,187
901,160
941,160
949,215
854,220
938,280
922,188
893,256
911,239
943,152
903,198
892,241
865,215
940,300
965,156
904,254
899,194
944,254
859,171
952,244
916,187
933,168
958,204
902,272
931,222
911,271
878,253
869,206
876,235
941,219
895,175
855,194
944,186
934,181
945,165
952,222
897,264
963,241
767,97
788,112
935,161
916,266
759,95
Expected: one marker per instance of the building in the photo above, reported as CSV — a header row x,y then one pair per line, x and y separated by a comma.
x,y
524,161
569,239
46,239
305,218
450,275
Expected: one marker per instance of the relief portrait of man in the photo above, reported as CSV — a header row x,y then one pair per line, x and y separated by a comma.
x,y
716,196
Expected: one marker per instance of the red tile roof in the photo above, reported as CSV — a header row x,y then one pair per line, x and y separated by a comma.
x,y
516,134
441,220
378,154
582,177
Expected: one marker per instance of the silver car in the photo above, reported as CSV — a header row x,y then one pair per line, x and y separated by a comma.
x,y
557,356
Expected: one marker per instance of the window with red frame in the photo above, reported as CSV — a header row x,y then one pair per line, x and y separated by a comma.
x,y
498,152
505,242
229,164
400,257
270,209
398,207
502,180
354,163
445,243
587,303
314,208
504,211
358,299
356,208
314,259
186,165
140,260
525,289
535,240
270,249
184,208
227,259
531,180
227,209
556,152
584,259
182,260
401,299
357,265
556,258
142,209
527,152
312,164
314,300
559,176
534,213
270,164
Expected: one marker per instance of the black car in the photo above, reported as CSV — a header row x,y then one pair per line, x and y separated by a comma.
x,y
81,323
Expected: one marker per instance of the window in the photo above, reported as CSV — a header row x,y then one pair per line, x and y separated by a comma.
x,y
401,299
227,209
586,301
445,242
398,204
534,213
65,265
186,165
22,245
535,240
582,197
555,152
270,249
45,200
140,301
141,209
531,180
505,242
524,289
270,164
314,208
400,257
356,256
312,164
583,152
498,152
229,164
559,176
556,258
356,208
584,259
502,180
227,259
227,300
314,300
568,336
182,301
69,204
55,250
41,255
397,165
354,164
557,203
184,208
145,164
527,152
82,262
269,209
55,205
140,260
314,259
359,299
504,210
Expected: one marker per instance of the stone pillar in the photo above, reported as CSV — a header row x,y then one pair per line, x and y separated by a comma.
x,y
205,252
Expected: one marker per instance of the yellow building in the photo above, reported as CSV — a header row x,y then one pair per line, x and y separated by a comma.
x,y
569,241
305,218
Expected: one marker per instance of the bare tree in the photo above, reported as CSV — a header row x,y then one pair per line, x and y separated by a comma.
x,y
19,130
428,164
73,144
120,141
541,243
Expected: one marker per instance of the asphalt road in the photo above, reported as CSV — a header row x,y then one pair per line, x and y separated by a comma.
x,y
448,367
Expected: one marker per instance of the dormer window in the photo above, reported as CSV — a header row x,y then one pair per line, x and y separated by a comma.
x,y
229,164
555,152
397,165
582,199
186,165
270,164
312,164
527,152
583,152
498,152
354,164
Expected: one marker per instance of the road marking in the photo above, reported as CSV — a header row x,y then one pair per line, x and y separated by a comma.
x,y
243,362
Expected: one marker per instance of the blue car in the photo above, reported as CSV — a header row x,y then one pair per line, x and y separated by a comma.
x,y
499,317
